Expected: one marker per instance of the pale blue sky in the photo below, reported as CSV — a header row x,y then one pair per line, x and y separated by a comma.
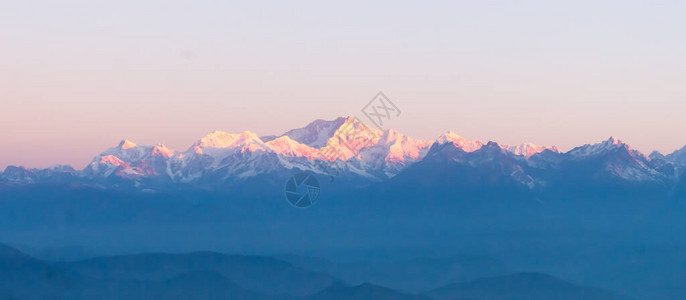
x,y
78,76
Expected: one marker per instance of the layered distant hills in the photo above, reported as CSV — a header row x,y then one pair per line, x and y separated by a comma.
x,y
348,149
600,214
210,275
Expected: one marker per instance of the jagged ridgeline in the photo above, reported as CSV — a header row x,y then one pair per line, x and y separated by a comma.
x,y
357,154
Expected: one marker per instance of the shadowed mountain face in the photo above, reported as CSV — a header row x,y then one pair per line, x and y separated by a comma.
x,y
521,286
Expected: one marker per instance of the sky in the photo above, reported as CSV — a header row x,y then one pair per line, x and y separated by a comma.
x,y
76,77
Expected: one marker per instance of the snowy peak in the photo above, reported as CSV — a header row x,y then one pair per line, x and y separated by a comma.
x,y
390,136
449,137
286,146
128,151
126,144
111,160
459,142
619,160
348,139
678,157
317,133
401,147
162,150
220,139
656,155
612,142
61,168
367,152
598,149
125,151
130,160
493,147
18,174
352,127
528,149
390,154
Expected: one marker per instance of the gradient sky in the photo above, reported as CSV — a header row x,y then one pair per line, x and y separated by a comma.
x,y
76,77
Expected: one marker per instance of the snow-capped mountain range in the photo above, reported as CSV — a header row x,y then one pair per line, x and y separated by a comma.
x,y
346,147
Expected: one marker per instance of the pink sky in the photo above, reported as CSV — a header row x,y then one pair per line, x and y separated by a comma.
x,y
77,78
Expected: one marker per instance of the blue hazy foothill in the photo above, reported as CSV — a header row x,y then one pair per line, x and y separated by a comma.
x,y
600,215
207,275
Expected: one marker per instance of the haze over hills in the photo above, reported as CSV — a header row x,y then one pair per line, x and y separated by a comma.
x,y
208,275
254,196
383,196
522,286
